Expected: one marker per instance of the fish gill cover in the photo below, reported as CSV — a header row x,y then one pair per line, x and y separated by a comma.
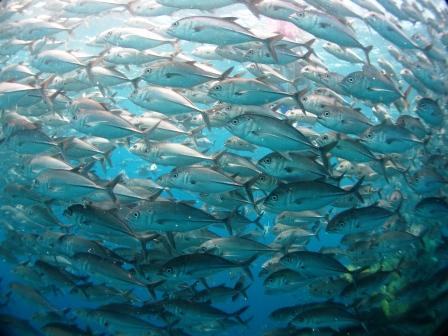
x,y
223,167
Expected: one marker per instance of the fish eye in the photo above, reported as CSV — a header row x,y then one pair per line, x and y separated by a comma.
x,y
168,269
325,137
235,121
148,70
175,24
350,79
301,14
327,113
146,150
136,214
251,51
75,117
274,198
305,99
268,160
228,107
175,175
218,87
262,178
203,249
369,135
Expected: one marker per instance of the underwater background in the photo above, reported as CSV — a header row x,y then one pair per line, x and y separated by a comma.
x,y
407,277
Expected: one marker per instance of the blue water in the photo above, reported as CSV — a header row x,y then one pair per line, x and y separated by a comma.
x,y
260,303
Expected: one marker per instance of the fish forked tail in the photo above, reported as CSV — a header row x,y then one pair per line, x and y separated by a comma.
x,y
240,289
355,189
367,51
237,314
269,42
251,5
298,96
226,73
109,186
245,265
152,286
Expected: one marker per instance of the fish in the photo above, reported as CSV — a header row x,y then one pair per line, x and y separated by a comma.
x,y
299,196
371,85
203,264
198,28
180,74
327,27
259,167
269,132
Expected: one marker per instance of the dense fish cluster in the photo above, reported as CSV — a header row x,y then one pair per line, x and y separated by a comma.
x,y
216,167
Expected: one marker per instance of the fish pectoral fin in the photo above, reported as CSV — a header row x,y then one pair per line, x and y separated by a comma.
x,y
198,28
324,25
172,74
375,89
240,93
96,123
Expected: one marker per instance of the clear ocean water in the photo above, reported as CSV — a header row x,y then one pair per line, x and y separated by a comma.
x,y
260,302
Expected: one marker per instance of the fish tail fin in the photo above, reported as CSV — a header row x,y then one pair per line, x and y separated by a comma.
x,y
73,27
151,287
228,225
308,54
146,238
247,188
246,266
324,150
238,313
44,86
382,163
297,97
206,119
171,241
111,185
355,189
367,51
251,5
258,219
226,73
128,6
84,168
309,43
240,289
107,156
146,133
269,42
135,82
